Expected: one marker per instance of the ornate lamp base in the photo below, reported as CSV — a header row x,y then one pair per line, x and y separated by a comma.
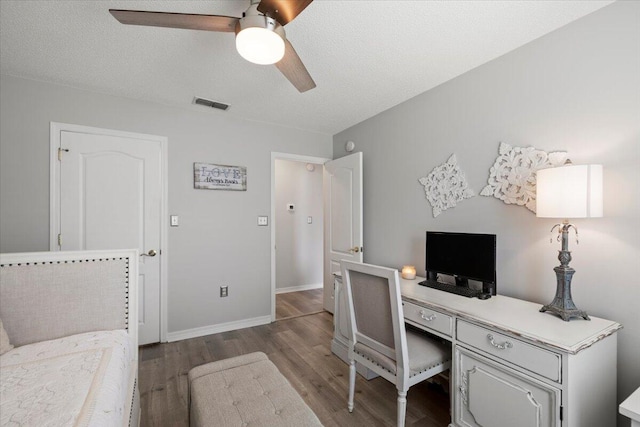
x,y
562,304
564,313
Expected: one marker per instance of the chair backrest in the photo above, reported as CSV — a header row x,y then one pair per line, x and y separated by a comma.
x,y
375,314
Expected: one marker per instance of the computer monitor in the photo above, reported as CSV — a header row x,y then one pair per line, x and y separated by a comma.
x,y
464,256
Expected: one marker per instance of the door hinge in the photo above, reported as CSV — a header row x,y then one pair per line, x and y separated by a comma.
x,y
59,240
561,413
60,150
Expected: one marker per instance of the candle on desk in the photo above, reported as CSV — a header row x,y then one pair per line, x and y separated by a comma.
x,y
408,272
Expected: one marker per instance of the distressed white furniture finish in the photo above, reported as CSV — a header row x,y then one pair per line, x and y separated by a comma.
x,y
539,371
379,339
341,331
516,366
631,408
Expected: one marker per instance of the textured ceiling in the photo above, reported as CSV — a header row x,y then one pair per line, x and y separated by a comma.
x,y
365,56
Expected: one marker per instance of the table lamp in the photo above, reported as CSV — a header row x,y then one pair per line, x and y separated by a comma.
x,y
569,191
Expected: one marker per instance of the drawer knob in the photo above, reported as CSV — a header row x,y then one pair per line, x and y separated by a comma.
x,y
427,318
502,346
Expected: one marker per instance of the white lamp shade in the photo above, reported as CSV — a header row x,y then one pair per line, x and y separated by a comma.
x,y
260,45
571,191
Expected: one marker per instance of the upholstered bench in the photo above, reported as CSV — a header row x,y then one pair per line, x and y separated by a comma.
x,y
247,390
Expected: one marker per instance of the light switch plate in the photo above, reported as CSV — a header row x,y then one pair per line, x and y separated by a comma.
x,y
263,220
174,220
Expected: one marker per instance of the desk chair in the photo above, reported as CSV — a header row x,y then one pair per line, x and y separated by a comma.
x,y
379,339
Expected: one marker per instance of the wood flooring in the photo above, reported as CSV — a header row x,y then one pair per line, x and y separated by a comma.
x,y
293,304
301,348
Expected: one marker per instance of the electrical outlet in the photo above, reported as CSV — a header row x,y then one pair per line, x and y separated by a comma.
x,y
263,220
224,291
309,220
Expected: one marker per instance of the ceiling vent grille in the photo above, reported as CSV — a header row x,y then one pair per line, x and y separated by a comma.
x,y
210,103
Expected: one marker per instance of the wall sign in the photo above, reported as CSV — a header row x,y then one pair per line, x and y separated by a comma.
x,y
219,177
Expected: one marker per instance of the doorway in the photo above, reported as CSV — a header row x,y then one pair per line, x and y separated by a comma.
x,y
296,235
108,191
299,303
342,217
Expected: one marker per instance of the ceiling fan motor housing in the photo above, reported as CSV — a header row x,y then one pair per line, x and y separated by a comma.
x,y
260,21
259,38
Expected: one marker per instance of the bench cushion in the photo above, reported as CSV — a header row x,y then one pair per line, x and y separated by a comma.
x,y
247,390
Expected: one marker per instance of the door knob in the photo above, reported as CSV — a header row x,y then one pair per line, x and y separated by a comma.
x,y
355,249
152,252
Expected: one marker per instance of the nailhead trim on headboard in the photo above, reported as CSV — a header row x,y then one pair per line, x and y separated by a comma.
x,y
66,262
133,399
127,293
89,260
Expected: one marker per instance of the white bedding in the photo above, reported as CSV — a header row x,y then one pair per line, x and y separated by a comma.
x,y
80,380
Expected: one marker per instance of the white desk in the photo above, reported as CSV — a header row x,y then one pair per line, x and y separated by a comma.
x,y
512,365
631,408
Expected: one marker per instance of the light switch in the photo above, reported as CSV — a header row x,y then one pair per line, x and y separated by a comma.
x,y
174,220
263,220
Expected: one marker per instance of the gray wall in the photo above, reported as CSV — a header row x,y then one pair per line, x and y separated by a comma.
x,y
576,89
218,241
299,255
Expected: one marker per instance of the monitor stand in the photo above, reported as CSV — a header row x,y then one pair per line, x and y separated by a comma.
x,y
461,281
488,288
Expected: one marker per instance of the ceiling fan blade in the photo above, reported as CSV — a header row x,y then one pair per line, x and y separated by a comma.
x,y
283,11
176,20
294,70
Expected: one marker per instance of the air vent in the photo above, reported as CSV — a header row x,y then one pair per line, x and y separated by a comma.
x,y
209,103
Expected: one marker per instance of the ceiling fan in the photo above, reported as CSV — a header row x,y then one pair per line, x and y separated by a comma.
x,y
260,36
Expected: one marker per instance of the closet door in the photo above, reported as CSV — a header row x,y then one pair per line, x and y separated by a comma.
x,y
109,197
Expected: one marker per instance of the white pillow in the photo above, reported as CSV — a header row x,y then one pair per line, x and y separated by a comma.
x,y
5,345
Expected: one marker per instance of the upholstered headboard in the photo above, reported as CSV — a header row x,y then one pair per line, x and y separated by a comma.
x,y
48,295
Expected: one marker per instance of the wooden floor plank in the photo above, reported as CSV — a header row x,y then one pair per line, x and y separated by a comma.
x,y
301,349
294,304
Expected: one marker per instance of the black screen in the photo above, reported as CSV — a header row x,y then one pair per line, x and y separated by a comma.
x,y
465,255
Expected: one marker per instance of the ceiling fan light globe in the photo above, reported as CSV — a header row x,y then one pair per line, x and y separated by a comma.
x,y
260,45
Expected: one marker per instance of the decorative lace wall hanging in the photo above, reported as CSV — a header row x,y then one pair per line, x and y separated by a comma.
x,y
445,186
512,178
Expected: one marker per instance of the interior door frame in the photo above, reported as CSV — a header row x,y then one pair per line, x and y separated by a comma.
x,y
295,158
55,130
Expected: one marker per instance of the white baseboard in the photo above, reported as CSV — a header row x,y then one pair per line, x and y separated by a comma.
x,y
216,329
298,288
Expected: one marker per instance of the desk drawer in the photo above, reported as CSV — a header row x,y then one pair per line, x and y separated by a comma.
x,y
520,353
428,318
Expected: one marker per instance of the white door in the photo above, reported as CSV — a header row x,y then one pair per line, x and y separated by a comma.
x,y
110,196
342,217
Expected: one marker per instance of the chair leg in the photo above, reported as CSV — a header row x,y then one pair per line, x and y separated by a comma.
x,y
352,383
402,407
